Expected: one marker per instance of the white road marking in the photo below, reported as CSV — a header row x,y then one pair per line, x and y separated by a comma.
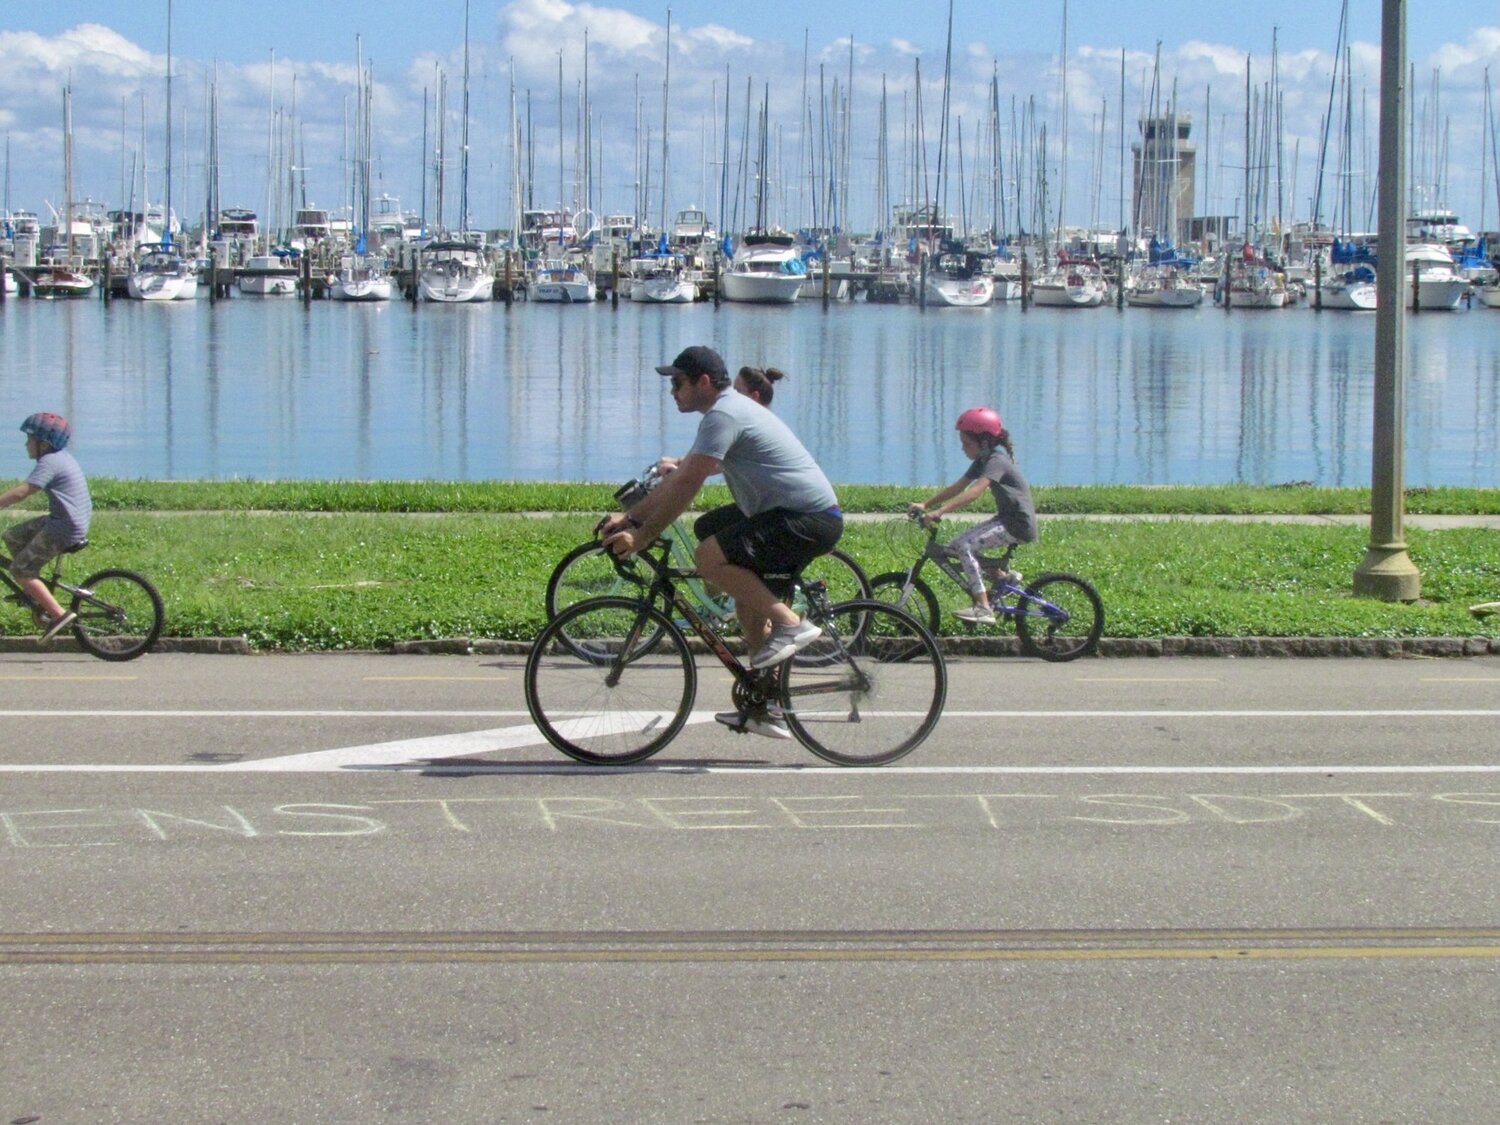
x,y
1342,715
407,751
426,754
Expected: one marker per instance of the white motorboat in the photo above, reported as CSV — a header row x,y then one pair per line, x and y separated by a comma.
x,y
455,273
766,269
1439,286
1353,290
267,275
162,274
1489,295
560,283
1160,288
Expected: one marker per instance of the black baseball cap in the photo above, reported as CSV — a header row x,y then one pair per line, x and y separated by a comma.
x,y
695,362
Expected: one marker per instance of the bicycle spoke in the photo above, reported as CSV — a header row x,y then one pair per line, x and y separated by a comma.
x,y
596,694
876,692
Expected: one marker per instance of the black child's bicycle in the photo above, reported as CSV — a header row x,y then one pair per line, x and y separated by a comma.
x,y
119,613
612,680
1058,617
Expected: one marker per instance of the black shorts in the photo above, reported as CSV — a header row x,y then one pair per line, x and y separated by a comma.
x,y
776,544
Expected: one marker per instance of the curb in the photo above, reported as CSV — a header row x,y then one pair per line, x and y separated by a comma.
x,y
1223,647
1388,648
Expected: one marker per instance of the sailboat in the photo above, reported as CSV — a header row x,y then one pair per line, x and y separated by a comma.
x,y
765,268
456,270
955,277
161,273
362,276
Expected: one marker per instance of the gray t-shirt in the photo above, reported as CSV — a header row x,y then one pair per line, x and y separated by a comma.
x,y
1012,494
68,504
765,465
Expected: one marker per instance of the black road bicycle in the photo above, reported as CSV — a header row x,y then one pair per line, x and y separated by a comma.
x,y
119,611
612,680
589,570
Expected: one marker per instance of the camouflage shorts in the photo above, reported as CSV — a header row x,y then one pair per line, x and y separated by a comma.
x,y
32,546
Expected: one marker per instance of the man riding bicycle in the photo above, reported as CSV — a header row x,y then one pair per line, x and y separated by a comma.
x,y
787,515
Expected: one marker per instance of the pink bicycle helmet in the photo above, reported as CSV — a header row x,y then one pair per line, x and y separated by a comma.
x,y
979,420
50,428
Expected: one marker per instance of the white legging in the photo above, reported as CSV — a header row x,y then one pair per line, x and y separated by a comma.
x,y
990,533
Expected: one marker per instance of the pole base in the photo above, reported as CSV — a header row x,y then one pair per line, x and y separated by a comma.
x,y
1388,573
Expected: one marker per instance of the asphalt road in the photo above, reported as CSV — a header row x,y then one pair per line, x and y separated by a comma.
x,y
348,888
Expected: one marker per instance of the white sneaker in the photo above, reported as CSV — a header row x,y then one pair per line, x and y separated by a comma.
x,y
975,615
769,725
785,642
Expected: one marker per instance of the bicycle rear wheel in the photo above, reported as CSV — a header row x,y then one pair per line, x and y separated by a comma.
x,y
591,571
621,702
1060,617
119,615
876,692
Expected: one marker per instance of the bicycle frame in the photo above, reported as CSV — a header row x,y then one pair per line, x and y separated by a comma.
x,y
943,557
759,683
54,581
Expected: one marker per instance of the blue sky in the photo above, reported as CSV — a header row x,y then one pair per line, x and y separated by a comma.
x,y
113,54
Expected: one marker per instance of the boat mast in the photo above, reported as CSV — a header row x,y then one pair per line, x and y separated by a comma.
x,y
463,175
167,218
666,89
68,169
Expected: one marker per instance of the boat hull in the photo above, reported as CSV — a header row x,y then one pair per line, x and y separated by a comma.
x,y
1350,298
1066,296
960,293
162,287
267,285
1181,297
663,291
450,291
367,289
761,288
1440,294
561,292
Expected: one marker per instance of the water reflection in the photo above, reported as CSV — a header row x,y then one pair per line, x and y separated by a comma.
x,y
272,388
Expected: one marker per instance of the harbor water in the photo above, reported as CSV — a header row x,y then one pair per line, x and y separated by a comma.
x,y
271,388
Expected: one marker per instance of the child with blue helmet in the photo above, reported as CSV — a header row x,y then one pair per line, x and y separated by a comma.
x,y
35,542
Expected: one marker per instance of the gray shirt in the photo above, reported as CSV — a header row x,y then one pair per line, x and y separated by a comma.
x,y
1013,506
765,465
68,504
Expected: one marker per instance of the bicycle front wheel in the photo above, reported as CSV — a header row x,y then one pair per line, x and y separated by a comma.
x,y
844,578
119,615
621,702
876,692
914,596
1060,617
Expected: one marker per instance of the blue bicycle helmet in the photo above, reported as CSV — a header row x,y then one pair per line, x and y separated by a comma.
x,y
50,428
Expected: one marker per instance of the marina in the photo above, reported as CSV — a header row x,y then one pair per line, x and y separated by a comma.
x,y
282,389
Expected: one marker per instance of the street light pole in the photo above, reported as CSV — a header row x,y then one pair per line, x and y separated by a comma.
x,y
1387,571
